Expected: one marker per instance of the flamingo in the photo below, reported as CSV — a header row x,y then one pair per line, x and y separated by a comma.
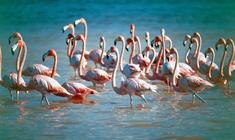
x,y
129,70
229,68
36,68
192,83
138,58
72,87
131,86
107,62
41,83
12,81
215,74
96,76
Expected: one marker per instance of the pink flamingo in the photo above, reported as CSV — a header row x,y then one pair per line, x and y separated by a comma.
x,y
191,83
129,70
107,62
36,68
197,60
138,58
96,76
11,81
75,88
41,83
215,74
94,54
74,56
131,86
230,67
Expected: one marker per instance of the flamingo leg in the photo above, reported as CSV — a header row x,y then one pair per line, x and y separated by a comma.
x,y
200,98
17,95
131,101
143,97
193,99
10,94
47,100
43,96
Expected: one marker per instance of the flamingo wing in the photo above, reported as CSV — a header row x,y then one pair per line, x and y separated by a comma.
x,y
98,76
38,69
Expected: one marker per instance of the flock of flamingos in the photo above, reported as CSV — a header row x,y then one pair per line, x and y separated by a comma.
x,y
194,75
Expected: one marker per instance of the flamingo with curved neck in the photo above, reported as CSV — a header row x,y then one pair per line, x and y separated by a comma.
x,y
106,61
138,58
96,76
41,83
129,70
131,86
214,75
191,83
78,89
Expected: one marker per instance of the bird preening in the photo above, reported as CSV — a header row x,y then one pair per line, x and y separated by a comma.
x,y
159,60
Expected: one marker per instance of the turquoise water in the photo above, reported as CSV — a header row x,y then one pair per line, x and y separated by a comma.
x,y
108,116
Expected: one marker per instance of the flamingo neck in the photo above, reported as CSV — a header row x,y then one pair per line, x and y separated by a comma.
x,y
19,75
186,56
163,45
132,53
221,70
54,66
82,58
102,52
73,48
69,49
114,85
231,60
167,38
147,72
196,53
159,59
85,30
210,67
18,59
122,55
176,65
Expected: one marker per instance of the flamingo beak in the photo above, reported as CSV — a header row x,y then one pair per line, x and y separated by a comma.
x,y
184,43
216,48
76,22
44,56
152,42
13,48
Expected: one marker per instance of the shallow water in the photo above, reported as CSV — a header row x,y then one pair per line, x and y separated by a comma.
x,y
108,116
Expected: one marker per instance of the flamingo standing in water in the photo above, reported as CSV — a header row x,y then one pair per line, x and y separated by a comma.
x,y
95,54
138,58
129,70
215,75
36,68
96,76
107,62
192,83
12,81
74,56
41,83
131,86
230,67
75,88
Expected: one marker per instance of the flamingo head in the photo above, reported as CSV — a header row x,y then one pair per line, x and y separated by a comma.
x,y
132,29
119,38
220,42
69,38
229,41
79,21
196,34
15,36
209,50
66,27
19,44
50,52
80,37
101,42
156,42
186,39
129,41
